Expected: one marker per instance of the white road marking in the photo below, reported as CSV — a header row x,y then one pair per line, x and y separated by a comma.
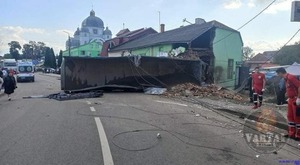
x,y
107,157
167,102
88,102
93,109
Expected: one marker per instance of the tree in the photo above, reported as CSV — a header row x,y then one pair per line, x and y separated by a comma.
x,y
247,53
60,56
47,62
288,55
14,49
50,60
27,51
53,59
7,56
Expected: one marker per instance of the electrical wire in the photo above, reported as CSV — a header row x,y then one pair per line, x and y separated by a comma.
x,y
274,55
245,24
175,135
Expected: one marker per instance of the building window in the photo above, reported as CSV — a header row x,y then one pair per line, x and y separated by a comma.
x,y
95,31
82,53
230,69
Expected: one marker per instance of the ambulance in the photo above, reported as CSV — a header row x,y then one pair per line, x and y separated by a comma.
x,y
25,71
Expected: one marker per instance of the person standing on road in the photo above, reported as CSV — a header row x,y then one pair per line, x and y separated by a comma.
x,y
258,87
293,92
281,92
9,84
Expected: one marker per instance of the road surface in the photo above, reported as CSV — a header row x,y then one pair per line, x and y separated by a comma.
x,y
120,129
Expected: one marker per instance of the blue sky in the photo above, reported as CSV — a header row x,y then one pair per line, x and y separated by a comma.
x,y
45,20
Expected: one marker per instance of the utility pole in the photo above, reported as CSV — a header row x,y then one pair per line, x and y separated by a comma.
x,y
69,42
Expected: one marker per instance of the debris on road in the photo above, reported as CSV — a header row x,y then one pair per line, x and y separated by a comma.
x,y
197,115
68,96
74,96
158,136
155,91
189,89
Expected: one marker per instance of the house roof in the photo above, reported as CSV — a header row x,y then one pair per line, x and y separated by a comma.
x,y
122,32
184,34
264,57
135,32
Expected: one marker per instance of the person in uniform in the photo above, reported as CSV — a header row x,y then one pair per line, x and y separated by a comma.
x,y
293,93
258,87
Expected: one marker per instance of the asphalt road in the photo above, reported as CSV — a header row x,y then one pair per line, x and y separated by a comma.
x,y
120,129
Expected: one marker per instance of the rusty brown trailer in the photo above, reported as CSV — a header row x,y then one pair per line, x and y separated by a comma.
x,y
133,72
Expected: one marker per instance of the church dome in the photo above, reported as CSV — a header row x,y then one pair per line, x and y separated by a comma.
x,y
107,31
85,30
93,21
77,32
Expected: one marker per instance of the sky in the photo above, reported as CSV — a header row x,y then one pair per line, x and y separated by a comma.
x,y
46,20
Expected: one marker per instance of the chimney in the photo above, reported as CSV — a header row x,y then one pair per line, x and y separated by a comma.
x,y
162,28
199,21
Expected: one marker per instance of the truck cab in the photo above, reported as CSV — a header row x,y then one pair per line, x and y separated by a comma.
x,y
25,71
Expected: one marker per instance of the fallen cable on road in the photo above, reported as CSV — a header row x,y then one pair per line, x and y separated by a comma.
x,y
69,96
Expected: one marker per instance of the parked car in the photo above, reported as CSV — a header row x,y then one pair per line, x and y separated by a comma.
x,y
49,70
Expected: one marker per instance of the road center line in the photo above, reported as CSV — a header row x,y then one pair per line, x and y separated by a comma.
x,y
93,109
167,102
107,157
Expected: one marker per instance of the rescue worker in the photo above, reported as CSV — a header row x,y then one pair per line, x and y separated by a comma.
x,y
281,92
293,93
258,87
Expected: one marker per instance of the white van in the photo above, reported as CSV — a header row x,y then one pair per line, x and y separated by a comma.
x,y
25,71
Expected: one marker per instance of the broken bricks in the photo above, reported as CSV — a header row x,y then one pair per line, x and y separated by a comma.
x,y
189,89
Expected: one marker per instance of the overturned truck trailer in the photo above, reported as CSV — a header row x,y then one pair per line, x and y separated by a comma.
x,y
133,72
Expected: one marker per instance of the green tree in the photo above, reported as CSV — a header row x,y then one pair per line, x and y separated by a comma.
x,y
39,49
247,53
53,59
288,55
14,49
60,56
47,62
7,56
27,51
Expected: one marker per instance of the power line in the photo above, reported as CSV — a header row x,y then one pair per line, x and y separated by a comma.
x,y
245,24
274,55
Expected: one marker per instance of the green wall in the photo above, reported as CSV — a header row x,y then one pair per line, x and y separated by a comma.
x,y
152,51
92,49
226,45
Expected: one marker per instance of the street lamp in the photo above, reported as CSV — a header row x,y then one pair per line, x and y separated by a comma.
x,y
69,42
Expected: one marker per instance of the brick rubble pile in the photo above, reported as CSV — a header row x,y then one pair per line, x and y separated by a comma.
x,y
189,89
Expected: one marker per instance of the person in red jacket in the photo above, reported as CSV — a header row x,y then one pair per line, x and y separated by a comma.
x,y
258,87
293,92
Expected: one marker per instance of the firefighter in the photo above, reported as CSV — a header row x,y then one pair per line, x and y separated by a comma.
x,y
293,92
258,87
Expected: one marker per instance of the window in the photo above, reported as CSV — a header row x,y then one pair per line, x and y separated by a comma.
x,y
95,31
82,52
25,69
230,69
